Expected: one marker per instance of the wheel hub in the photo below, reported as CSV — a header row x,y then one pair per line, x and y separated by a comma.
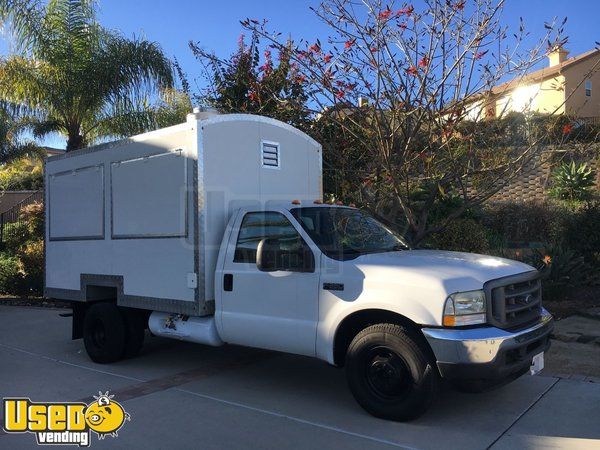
x,y
99,334
387,373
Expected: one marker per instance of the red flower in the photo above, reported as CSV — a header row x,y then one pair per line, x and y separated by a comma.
x,y
373,49
340,94
480,55
405,11
424,61
412,70
315,48
268,54
348,44
327,58
402,25
567,128
300,78
384,15
339,83
252,96
460,5
266,67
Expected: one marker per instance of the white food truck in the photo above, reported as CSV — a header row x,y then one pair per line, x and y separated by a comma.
x,y
214,231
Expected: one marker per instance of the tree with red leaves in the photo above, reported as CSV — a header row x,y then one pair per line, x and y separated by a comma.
x,y
420,70
247,83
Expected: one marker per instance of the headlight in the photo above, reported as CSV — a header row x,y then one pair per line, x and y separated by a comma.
x,y
464,308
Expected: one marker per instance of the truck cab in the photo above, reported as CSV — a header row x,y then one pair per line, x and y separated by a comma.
x,y
312,279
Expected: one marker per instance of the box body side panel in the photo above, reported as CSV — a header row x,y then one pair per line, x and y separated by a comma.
x,y
146,245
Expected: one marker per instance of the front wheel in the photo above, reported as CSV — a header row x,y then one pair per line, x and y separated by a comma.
x,y
390,372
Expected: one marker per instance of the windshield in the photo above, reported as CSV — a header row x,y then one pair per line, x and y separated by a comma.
x,y
345,233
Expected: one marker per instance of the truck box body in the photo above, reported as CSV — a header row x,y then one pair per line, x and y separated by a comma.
x,y
142,219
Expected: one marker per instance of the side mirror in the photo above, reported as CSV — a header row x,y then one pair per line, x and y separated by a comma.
x,y
267,255
270,257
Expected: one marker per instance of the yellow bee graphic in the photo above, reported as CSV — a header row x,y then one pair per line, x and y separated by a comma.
x,y
105,416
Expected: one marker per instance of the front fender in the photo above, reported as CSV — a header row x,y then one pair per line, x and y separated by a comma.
x,y
334,310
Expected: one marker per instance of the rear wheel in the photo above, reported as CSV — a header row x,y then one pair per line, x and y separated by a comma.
x,y
390,373
104,333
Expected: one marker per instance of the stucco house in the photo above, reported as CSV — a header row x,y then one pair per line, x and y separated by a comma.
x,y
567,86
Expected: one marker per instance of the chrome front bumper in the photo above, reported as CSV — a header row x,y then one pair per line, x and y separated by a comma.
x,y
488,352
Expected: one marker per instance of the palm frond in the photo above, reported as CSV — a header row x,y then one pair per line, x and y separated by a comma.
x,y
134,67
27,82
11,147
25,18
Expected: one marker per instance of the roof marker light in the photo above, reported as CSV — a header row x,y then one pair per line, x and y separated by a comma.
x,y
339,203
295,202
318,202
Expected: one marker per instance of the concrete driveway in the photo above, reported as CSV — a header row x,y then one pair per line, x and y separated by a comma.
x,y
183,395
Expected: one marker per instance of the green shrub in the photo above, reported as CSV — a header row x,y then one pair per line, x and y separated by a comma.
x,y
15,236
30,228
32,262
582,234
573,182
11,276
464,234
561,268
526,221
23,257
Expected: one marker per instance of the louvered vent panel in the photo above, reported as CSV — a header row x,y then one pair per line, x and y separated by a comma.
x,y
270,155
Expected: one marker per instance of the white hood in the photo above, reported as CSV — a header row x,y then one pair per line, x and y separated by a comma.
x,y
412,283
446,264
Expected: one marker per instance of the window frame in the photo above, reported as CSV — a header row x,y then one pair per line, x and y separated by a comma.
x,y
588,88
305,245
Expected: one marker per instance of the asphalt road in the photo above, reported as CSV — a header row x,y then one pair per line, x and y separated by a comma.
x,y
183,395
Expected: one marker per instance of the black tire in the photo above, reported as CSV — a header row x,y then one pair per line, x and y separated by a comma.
x,y
104,333
390,372
135,329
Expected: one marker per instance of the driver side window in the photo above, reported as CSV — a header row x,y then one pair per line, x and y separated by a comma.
x,y
274,226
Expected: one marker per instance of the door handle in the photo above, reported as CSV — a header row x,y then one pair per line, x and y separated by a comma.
x,y
228,282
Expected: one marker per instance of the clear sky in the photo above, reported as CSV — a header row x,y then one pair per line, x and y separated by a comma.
x,y
215,24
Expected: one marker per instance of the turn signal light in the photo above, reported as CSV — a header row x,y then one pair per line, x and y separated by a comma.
x,y
449,321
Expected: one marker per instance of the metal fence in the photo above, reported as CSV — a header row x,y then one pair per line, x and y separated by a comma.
x,y
11,220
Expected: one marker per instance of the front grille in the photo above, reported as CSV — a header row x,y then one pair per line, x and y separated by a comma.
x,y
514,301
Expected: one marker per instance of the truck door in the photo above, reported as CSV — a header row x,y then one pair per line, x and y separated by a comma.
x,y
275,310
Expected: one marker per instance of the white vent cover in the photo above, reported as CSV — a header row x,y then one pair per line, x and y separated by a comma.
x,y
270,155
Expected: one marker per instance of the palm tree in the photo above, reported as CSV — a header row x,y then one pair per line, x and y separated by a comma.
x,y
74,77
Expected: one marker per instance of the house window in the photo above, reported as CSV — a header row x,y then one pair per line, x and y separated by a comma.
x,y
588,88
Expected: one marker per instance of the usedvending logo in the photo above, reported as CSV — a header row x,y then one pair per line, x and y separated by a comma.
x,y
69,423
